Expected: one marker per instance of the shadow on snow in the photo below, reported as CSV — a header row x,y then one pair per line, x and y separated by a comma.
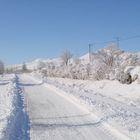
x,y
30,84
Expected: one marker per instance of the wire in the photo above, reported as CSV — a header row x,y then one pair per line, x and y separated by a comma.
x,y
128,38
118,40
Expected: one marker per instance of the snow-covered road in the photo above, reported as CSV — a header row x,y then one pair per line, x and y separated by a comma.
x,y
54,117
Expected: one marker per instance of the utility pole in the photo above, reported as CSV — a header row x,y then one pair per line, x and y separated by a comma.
x,y
90,51
118,41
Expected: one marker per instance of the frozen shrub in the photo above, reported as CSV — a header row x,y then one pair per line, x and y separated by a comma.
x,y
134,71
108,59
124,78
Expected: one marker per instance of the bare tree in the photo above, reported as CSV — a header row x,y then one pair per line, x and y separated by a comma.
x,y
66,56
1,67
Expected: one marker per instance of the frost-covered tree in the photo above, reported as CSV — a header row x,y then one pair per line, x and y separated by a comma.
x,y
109,55
108,58
1,67
108,63
66,56
129,59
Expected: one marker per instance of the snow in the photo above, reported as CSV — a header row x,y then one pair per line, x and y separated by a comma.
x,y
134,72
6,101
85,58
56,116
65,108
114,103
35,106
34,64
14,124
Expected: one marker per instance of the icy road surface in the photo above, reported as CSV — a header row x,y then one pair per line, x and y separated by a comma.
x,y
53,117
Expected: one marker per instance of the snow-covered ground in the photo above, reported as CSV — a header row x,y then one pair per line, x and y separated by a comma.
x,y
7,95
114,103
55,116
14,124
68,109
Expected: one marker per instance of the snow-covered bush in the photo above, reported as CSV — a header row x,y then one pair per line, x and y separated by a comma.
x,y
129,59
134,72
107,63
98,70
109,55
124,78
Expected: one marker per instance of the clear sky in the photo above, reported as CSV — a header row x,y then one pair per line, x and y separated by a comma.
x,y
32,29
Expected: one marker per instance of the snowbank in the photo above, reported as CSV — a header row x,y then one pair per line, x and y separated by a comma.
x,y
7,95
14,121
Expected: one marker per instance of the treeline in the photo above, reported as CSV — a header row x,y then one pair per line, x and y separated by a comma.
x,y
106,63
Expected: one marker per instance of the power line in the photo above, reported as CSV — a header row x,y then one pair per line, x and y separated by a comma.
x,y
118,40
132,37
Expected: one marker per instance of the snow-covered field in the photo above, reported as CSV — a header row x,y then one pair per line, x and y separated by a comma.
x,y
114,103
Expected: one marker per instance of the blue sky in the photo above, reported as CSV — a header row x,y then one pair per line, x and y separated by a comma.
x,y
32,29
